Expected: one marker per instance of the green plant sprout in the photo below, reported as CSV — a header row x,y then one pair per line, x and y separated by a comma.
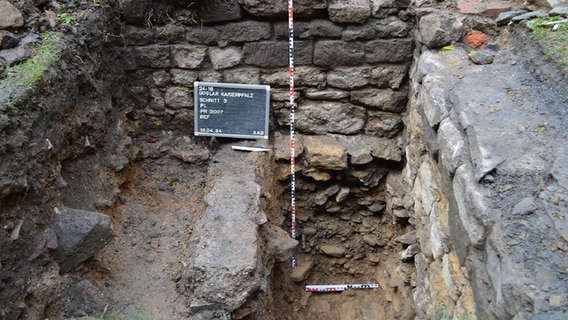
x,y
66,18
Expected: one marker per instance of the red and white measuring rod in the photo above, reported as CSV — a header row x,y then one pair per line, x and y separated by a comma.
x,y
340,287
292,129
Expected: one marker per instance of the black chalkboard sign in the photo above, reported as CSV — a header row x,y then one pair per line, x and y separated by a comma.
x,y
231,110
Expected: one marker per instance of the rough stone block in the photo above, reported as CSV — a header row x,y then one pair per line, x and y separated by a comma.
x,y
309,8
223,58
310,76
348,78
266,54
184,77
325,152
332,53
381,99
265,8
316,28
220,11
361,147
429,63
224,261
388,50
390,27
80,234
301,271
437,29
246,31
138,36
179,97
331,250
282,146
359,152
134,11
321,117
275,78
11,17
242,75
173,33
185,149
386,149
350,11
189,57
280,242
368,177
383,124
389,75
152,56
202,35
161,78
303,53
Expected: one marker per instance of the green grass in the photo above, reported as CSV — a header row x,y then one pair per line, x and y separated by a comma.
x,y
22,77
555,43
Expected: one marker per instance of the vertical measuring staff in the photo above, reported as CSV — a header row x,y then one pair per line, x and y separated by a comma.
x,y
292,129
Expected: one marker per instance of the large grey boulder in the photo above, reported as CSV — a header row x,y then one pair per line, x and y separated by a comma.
x,y
438,29
10,16
225,263
80,234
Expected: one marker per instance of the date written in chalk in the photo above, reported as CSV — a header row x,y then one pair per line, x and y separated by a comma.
x,y
210,130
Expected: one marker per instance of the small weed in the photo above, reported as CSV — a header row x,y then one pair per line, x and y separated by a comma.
x,y
66,18
448,48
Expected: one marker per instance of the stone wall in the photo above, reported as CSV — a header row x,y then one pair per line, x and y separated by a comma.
x,y
486,187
